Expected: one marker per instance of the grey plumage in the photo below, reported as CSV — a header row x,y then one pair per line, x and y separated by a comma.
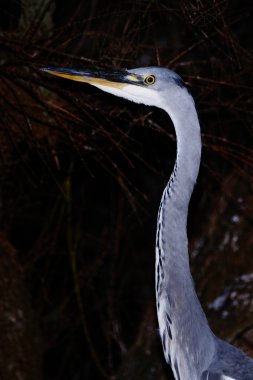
x,y
229,361
189,345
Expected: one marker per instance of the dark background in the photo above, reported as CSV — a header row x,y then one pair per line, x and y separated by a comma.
x,y
82,173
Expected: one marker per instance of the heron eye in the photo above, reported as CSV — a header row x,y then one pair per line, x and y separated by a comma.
x,y
150,79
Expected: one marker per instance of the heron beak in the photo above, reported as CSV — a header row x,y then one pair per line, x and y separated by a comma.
x,y
118,79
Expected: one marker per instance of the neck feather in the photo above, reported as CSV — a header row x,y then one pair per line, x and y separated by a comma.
x,y
180,315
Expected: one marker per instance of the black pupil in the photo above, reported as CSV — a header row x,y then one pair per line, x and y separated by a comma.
x,y
150,79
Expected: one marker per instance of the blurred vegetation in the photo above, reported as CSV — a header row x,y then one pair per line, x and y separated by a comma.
x,y
82,173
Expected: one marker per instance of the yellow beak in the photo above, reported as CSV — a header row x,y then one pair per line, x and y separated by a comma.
x,y
117,79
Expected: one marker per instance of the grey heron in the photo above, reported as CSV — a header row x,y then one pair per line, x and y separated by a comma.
x,y
189,345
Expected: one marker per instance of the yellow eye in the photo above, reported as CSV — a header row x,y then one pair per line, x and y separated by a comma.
x,y
150,79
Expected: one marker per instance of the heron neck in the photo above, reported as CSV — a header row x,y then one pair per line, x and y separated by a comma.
x,y
177,194
176,296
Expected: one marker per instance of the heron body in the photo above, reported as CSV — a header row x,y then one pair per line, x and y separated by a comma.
x,y
190,347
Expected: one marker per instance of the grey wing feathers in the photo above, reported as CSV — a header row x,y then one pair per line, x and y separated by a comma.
x,y
214,375
229,363
208,375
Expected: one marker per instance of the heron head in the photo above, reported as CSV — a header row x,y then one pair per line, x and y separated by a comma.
x,y
147,85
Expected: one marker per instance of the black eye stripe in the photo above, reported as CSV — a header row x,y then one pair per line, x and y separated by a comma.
x,y
150,79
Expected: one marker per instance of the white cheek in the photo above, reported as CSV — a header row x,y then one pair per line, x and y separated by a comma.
x,y
144,95
136,94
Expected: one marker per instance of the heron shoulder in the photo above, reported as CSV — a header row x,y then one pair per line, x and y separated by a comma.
x,y
229,363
